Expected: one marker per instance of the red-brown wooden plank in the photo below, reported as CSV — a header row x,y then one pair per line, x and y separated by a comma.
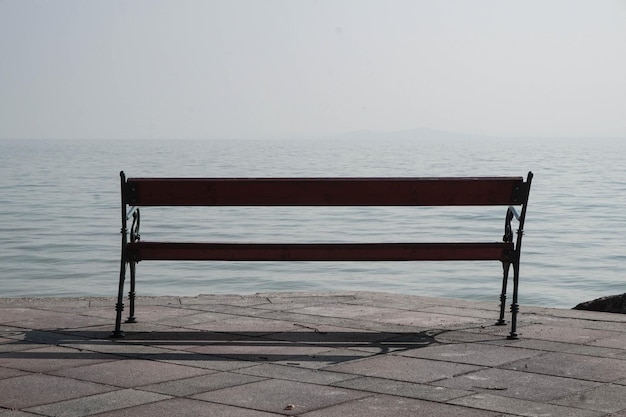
x,y
325,191
318,251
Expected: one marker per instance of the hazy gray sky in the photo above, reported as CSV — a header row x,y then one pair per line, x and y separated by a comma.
x,y
266,68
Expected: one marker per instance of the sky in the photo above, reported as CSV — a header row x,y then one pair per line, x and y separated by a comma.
x,y
209,69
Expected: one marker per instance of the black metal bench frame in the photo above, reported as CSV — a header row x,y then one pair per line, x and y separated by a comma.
x,y
458,191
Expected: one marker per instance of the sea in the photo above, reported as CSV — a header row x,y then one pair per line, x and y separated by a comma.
x,y
60,216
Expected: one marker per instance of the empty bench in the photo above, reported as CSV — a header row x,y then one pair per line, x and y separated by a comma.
x,y
511,192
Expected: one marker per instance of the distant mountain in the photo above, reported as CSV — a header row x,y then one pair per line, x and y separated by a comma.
x,y
428,134
408,134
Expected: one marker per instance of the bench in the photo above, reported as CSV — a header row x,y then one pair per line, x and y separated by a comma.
x,y
511,192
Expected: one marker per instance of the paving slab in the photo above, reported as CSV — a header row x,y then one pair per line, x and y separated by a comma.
x,y
402,389
37,389
580,322
390,315
398,342
126,350
391,406
308,354
13,413
29,337
409,302
10,345
149,313
46,319
551,346
51,358
617,341
573,366
472,353
244,325
185,407
130,373
190,318
467,311
9,372
402,368
204,383
282,397
349,311
333,336
516,384
235,299
598,316
350,323
294,372
298,303
95,404
518,407
468,336
607,398
198,360
181,339
235,310
590,349
565,334
261,350
428,320
327,358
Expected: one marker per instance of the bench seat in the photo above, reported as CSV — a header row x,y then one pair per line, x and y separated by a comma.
x,y
171,251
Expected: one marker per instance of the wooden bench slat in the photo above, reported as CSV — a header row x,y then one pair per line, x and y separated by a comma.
x,y
325,191
318,251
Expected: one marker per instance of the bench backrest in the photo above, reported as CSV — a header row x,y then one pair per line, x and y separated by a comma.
x,y
406,191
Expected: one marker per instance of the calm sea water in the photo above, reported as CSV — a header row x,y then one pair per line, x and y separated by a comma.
x,y
60,217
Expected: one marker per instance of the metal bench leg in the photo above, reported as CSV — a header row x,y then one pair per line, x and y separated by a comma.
x,y
131,294
119,307
514,305
506,266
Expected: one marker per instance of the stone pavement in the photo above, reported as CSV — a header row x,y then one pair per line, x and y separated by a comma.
x,y
307,354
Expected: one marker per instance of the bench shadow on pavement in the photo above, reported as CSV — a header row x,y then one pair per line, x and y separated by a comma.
x,y
306,345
